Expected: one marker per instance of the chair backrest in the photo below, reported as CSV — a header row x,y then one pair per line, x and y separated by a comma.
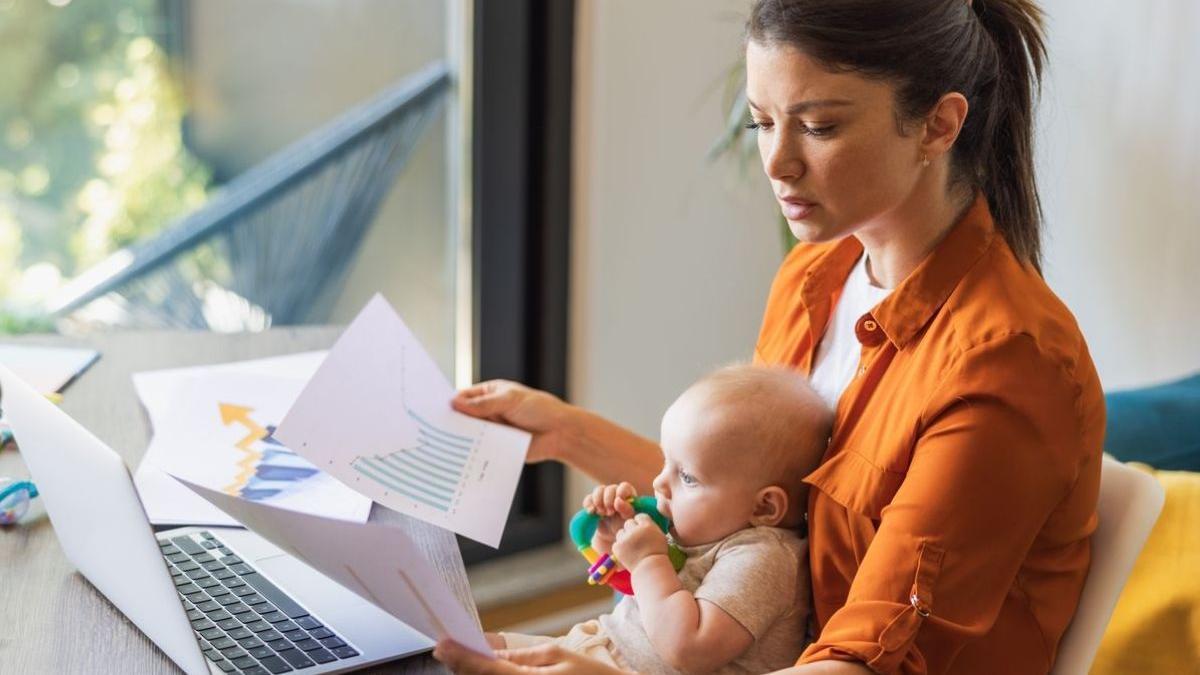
x,y
1130,501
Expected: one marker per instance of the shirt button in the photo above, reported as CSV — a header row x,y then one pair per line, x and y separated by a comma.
x,y
862,370
868,331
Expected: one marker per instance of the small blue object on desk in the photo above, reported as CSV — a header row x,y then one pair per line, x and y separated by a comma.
x,y
15,497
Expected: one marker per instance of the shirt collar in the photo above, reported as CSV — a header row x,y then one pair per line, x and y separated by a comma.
x,y
914,302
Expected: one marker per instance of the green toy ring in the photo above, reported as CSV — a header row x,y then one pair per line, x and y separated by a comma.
x,y
603,568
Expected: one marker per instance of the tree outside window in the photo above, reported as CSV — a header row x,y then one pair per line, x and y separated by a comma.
x,y
91,153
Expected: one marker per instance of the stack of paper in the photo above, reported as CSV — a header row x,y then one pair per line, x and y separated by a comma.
x,y
216,424
376,415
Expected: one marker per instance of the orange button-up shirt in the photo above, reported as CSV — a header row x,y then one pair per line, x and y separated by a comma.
x,y
950,518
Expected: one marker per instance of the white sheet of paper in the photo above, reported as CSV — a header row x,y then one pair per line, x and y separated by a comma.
x,y
166,501
46,369
192,436
378,563
156,388
377,416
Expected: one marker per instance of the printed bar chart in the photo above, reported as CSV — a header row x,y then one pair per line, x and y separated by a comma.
x,y
430,472
377,416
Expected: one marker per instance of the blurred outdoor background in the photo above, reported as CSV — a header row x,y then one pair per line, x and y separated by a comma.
x,y
91,154
120,117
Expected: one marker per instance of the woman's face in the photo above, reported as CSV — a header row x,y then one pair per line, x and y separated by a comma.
x,y
829,143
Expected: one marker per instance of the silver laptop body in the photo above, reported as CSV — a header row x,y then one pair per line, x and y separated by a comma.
x,y
98,518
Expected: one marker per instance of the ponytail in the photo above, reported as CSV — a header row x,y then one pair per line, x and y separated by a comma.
x,y
990,51
1006,163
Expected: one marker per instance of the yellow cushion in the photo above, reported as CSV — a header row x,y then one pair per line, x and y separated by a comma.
x,y
1156,625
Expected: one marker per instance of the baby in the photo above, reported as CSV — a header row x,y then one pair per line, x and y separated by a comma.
x,y
736,445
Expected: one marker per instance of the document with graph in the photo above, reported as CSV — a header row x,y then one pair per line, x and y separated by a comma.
x,y
217,423
377,416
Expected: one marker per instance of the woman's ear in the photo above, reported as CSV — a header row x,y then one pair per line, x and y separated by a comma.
x,y
770,506
943,124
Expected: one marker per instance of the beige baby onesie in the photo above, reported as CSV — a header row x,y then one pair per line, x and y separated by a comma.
x,y
758,576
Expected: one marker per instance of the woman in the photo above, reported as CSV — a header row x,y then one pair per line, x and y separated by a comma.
x,y
951,516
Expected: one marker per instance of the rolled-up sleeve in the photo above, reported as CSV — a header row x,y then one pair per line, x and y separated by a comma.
x,y
995,452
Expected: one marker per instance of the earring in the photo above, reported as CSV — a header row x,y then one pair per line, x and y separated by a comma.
x,y
924,160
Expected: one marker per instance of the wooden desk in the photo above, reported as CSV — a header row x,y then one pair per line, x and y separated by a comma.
x,y
51,619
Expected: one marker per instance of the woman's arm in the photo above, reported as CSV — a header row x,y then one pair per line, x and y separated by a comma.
x,y
610,453
605,451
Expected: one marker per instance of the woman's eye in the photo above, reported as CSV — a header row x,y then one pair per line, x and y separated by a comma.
x,y
806,129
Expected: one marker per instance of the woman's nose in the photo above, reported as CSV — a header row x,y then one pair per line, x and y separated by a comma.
x,y
781,158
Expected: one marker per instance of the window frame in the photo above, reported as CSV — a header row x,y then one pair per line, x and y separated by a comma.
x,y
521,108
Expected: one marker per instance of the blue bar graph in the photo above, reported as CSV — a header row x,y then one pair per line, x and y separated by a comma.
x,y
277,471
429,472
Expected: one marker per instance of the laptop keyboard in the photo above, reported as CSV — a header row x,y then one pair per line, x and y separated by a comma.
x,y
245,623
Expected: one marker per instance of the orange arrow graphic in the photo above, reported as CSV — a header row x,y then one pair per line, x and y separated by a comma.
x,y
241,414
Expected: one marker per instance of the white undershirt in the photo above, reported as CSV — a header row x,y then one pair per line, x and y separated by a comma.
x,y
839,352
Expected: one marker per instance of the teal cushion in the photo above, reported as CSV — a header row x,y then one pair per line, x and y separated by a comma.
x,y
1159,425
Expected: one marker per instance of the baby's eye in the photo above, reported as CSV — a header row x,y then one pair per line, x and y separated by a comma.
x,y
686,478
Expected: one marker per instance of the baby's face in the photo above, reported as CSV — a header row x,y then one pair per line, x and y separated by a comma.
x,y
707,493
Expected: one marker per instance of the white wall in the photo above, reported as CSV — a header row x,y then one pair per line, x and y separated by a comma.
x,y
1120,175
673,255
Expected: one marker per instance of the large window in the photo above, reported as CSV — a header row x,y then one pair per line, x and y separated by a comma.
x,y
118,117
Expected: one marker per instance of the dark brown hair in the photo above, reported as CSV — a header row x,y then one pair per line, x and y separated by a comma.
x,y
990,51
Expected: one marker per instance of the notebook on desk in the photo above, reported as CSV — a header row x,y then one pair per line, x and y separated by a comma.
x,y
47,369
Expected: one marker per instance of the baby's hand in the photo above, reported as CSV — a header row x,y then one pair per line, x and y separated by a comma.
x,y
611,503
639,539
611,500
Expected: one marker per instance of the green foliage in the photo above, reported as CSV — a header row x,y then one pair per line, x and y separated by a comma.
x,y
740,143
91,157
13,323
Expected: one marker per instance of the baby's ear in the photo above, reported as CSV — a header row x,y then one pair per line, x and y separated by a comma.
x,y
770,506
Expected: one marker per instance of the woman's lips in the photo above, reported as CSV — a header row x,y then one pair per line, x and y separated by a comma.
x,y
796,209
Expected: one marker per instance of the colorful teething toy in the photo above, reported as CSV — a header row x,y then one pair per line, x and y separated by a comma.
x,y
603,568
15,496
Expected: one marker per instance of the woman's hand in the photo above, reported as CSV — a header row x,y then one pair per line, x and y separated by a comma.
x,y
543,660
542,414
611,502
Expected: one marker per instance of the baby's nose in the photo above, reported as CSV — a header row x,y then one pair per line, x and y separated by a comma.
x,y
661,485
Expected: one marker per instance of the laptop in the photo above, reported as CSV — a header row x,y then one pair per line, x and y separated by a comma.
x,y
214,600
